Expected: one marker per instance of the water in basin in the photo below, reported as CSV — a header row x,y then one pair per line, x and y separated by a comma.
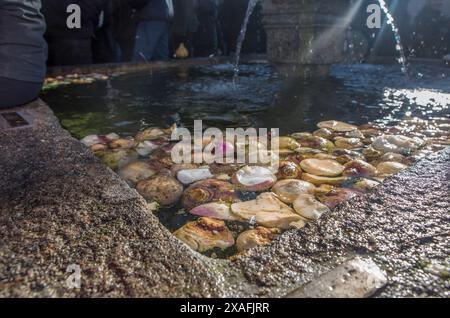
x,y
354,93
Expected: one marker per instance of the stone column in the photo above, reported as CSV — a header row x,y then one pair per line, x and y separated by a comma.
x,y
304,37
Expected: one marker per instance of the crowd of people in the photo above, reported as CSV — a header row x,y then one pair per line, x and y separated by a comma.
x,y
146,30
34,33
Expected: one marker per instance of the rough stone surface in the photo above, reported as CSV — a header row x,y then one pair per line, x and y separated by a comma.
x,y
356,278
60,206
305,37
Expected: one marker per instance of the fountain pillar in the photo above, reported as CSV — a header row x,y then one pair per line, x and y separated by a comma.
x,y
305,37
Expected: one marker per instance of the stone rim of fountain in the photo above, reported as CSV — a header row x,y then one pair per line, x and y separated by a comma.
x,y
245,276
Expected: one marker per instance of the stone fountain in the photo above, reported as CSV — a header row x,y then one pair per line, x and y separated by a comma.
x,y
305,37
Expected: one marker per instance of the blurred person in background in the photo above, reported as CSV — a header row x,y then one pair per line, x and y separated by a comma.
x,y
105,49
431,31
23,51
123,25
207,39
115,37
185,25
153,30
71,46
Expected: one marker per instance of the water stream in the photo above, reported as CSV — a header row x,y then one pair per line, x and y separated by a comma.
x,y
251,7
398,40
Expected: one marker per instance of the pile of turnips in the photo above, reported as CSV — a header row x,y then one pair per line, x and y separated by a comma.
x,y
317,172
54,82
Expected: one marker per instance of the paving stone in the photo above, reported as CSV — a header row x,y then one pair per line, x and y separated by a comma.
x,y
356,278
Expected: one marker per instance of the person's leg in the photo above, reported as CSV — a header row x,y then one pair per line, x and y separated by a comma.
x,y
142,50
213,35
127,48
190,44
149,34
161,52
158,40
176,41
15,93
70,52
84,56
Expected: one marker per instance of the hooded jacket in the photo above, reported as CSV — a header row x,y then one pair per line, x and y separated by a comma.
x,y
23,50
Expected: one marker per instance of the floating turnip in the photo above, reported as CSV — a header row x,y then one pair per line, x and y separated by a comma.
x,y
99,147
354,134
365,185
288,190
146,147
162,188
325,156
359,168
228,169
396,144
136,171
267,210
205,234
346,152
122,144
388,168
315,142
215,210
372,154
254,178
394,157
98,139
308,207
207,191
116,158
288,170
149,134
325,133
189,176
337,196
303,154
257,237
318,180
174,169
370,132
323,168
348,143
337,126
220,150
287,145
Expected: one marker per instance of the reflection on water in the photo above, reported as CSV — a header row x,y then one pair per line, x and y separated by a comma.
x,y
355,93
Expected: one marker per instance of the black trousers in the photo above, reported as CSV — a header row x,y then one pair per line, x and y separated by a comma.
x,y
15,93
69,51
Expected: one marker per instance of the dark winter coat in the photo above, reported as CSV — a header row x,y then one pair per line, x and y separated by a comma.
x,y
23,51
56,18
154,10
